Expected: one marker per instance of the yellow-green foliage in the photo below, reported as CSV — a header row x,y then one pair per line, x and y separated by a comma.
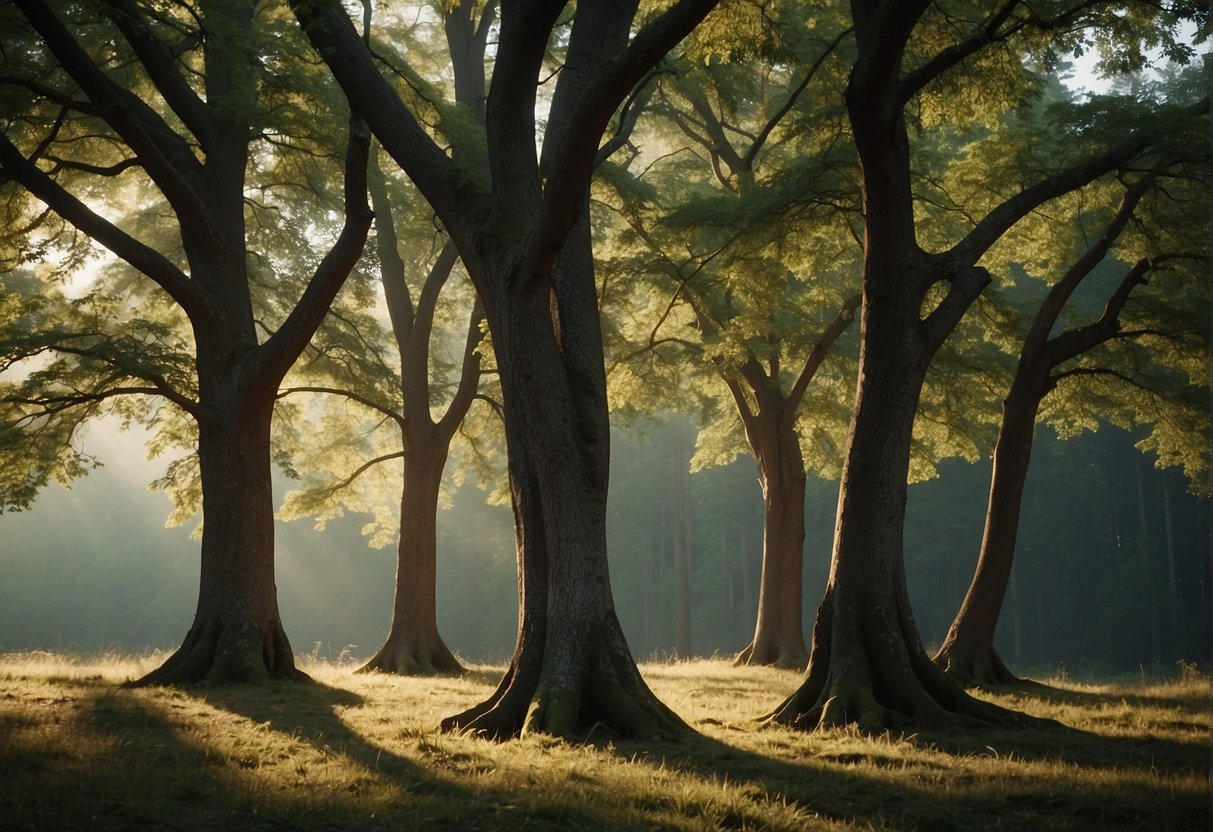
x,y
362,751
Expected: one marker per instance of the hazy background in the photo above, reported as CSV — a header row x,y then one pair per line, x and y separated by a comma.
x,y
1111,573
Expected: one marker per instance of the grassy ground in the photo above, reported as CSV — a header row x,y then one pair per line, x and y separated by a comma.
x,y
362,752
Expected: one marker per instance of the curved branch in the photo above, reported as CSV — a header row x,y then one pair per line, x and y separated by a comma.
x,y
1077,372
773,122
578,146
469,374
51,405
159,61
145,259
275,357
84,167
51,94
846,314
370,404
166,156
953,55
492,403
1002,217
445,187
332,488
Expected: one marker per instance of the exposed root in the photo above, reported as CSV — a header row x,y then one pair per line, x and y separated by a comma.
x,y
414,659
919,696
980,667
499,717
612,700
772,655
214,654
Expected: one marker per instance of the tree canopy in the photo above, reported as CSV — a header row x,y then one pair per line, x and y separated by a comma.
x,y
835,236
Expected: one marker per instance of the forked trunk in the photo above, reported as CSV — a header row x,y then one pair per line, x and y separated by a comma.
x,y
237,633
572,672
413,645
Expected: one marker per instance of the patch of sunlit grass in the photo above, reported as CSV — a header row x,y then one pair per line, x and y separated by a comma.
x,y
363,751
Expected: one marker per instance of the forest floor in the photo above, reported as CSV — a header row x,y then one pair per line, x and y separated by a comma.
x,y
363,752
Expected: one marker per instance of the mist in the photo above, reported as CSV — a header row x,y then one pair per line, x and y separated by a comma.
x,y
1111,572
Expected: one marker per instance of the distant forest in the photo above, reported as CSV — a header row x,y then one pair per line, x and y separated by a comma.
x,y
1111,576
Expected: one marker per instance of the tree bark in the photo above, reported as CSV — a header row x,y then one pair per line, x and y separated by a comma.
x,y
585,680
237,634
779,629
413,645
526,245
967,653
867,664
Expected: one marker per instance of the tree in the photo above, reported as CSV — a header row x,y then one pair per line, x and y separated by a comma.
x,y
413,644
755,262
423,440
524,238
867,664
1161,198
176,102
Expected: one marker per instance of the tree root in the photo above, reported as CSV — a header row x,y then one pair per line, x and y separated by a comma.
x,y
611,700
214,654
895,702
772,656
414,660
980,668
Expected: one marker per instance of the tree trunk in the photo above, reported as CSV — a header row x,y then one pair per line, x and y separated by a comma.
x,y
779,630
868,665
237,633
413,646
968,653
528,253
682,448
584,680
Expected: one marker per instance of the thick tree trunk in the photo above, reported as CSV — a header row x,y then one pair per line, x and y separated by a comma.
x,y
868,665
529,256
585,680
968,653
779,630
413,645
237,633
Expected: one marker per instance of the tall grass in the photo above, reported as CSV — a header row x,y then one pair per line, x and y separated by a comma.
x,y
362,752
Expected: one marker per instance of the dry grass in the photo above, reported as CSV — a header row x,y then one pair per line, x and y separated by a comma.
x,y
362,752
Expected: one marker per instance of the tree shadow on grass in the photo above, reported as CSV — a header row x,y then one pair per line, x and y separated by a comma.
x,y
106,759
1131,693
1056,778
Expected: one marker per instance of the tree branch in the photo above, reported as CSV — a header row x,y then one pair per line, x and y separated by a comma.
x,y
145,259
914,81
370,404
159,61
765,133
1001,218
469,375
817,355
52,405
165,156
575,153
275,357
442,183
